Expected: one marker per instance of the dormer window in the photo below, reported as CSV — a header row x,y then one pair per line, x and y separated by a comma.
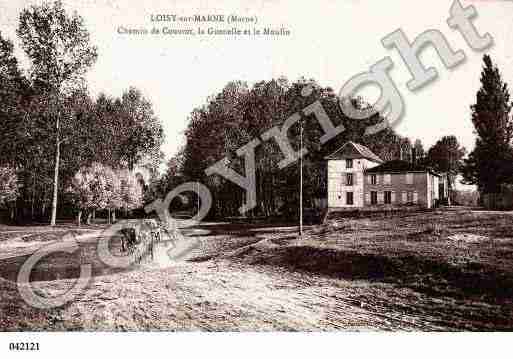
x,y
349,163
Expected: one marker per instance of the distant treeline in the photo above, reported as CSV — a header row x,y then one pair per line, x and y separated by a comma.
x,y
240,113
52,128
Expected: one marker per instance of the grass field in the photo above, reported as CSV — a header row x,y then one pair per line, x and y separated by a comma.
x,y
441,270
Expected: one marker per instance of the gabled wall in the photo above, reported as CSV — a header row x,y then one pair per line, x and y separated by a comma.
x,y
337,187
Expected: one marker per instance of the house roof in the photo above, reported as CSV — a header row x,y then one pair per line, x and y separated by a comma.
x,y
353,150
396,166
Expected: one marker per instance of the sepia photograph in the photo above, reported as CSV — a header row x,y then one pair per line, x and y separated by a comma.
x,y
252,167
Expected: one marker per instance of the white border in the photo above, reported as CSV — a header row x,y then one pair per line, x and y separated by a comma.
x,y
261,345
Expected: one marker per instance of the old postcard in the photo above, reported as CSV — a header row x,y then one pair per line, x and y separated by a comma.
x,y
255,166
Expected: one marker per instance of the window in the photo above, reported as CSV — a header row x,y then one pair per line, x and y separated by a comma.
x,y
349,163
409,178
349,179
388,197
413,197
374,179
349,198
387,179
374,197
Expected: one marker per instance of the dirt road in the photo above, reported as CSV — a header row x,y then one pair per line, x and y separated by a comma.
x,y
429,271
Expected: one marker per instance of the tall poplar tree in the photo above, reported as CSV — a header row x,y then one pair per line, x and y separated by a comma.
x,y
59,48
490,163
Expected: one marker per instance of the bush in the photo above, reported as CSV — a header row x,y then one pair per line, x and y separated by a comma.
x,y
8,185
434,229
467,198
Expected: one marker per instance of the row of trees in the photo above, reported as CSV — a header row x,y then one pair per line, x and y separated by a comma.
x,y
240,113
490,165
60,145
98,187
52,128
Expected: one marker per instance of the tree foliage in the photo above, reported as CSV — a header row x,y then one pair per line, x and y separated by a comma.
x,y
60,52
446,157
8,186
240,113
14,90
490,164
52,126
57,44
99,187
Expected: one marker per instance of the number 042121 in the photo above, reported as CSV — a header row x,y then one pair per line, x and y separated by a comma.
x,y
24,346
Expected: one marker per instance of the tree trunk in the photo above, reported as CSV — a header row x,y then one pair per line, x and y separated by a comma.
x,y
449,189
108,216
89,215
79,218
33,202
94,215
114,215
56,174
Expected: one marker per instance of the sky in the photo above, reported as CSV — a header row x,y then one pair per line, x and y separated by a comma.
x,y
330,41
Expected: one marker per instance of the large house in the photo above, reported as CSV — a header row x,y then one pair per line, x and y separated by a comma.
x,y
358,178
